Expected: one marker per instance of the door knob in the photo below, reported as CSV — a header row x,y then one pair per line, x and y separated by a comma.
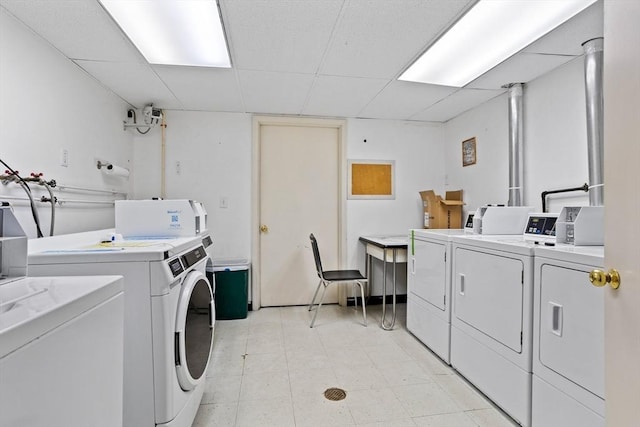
x,y
600,278
264,228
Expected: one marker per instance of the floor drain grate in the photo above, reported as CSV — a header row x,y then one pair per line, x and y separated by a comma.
x,y
335,394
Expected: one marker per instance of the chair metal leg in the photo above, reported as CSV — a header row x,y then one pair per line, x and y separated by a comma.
x,y
355,295
324,290
315,295
364,309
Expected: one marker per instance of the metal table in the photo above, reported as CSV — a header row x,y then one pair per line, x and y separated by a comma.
x,y
388,249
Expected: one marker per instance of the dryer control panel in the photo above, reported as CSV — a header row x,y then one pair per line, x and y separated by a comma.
x,y
541,227
176,266
193,256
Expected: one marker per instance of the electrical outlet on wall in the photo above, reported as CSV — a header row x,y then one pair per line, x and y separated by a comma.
x,y
178,167
64,157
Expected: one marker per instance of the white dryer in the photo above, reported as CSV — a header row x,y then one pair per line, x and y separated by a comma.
x,y
168,316
429,288
61,354
568,343
491,321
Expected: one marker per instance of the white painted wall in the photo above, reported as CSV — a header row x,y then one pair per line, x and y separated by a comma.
x,y
418,152
555,153
556,137
214,151
47,104
486,181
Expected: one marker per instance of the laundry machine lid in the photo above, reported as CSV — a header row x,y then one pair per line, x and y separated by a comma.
x,y
585,255
194,330
439,234
91,247
33,306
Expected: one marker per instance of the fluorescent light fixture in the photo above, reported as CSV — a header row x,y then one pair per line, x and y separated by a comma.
x,y
173,32
489,33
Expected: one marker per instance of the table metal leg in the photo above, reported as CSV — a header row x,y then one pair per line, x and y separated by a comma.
x,y
384,287
367,269
383,324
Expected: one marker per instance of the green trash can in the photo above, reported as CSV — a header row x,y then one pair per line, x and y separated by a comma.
x,y
231,289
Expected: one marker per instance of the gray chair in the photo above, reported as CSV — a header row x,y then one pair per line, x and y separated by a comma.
x,y
328,277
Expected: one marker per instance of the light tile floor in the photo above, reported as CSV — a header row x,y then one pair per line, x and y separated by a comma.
x,y
271,370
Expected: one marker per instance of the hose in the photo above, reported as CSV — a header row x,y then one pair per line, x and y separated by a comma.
x,y
27,189
34,211
53,205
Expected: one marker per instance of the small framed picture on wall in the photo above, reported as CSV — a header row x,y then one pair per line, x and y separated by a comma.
x,y
469,152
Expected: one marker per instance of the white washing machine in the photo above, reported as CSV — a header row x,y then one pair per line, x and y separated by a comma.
x,y
492,316
61,357
568,343
429,288
168,316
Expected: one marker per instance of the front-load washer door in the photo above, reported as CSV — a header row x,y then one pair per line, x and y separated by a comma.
x,y
194,330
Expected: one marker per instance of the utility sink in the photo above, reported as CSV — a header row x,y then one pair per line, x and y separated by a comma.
x,y
31,305
14,292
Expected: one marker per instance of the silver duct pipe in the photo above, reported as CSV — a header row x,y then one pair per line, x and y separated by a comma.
x,y
516,149
593,64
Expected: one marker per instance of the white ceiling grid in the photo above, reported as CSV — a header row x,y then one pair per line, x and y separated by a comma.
x,y
337,58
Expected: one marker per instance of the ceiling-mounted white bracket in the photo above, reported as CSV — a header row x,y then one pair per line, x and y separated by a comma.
x,y
150,115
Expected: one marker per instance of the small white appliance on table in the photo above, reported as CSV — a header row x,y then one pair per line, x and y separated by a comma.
x,y
160,218
388,249
168,317
429,288
568,340
61,343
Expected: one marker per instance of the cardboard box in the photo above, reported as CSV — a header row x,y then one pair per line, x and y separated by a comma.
x,y
442,213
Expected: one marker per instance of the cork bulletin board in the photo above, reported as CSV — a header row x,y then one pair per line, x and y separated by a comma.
x,y
371,179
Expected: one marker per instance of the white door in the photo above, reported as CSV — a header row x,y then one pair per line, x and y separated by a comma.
x,y
299,195
622,210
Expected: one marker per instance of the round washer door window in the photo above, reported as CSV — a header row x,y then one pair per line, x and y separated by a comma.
x,y
194,330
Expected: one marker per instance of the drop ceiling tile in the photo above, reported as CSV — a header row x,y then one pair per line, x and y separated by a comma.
x,y
279,35
380,38
80,29
203,89
341,96
456,104
274,93
568,38
401,100
137,84
520,68
344,45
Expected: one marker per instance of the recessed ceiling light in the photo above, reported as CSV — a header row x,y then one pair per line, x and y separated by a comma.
x,y
489,33
173,32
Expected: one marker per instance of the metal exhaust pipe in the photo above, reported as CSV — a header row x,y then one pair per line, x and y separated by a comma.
x,y
516,150
593,65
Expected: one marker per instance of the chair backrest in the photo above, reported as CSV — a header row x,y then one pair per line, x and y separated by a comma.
x,y
316,255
